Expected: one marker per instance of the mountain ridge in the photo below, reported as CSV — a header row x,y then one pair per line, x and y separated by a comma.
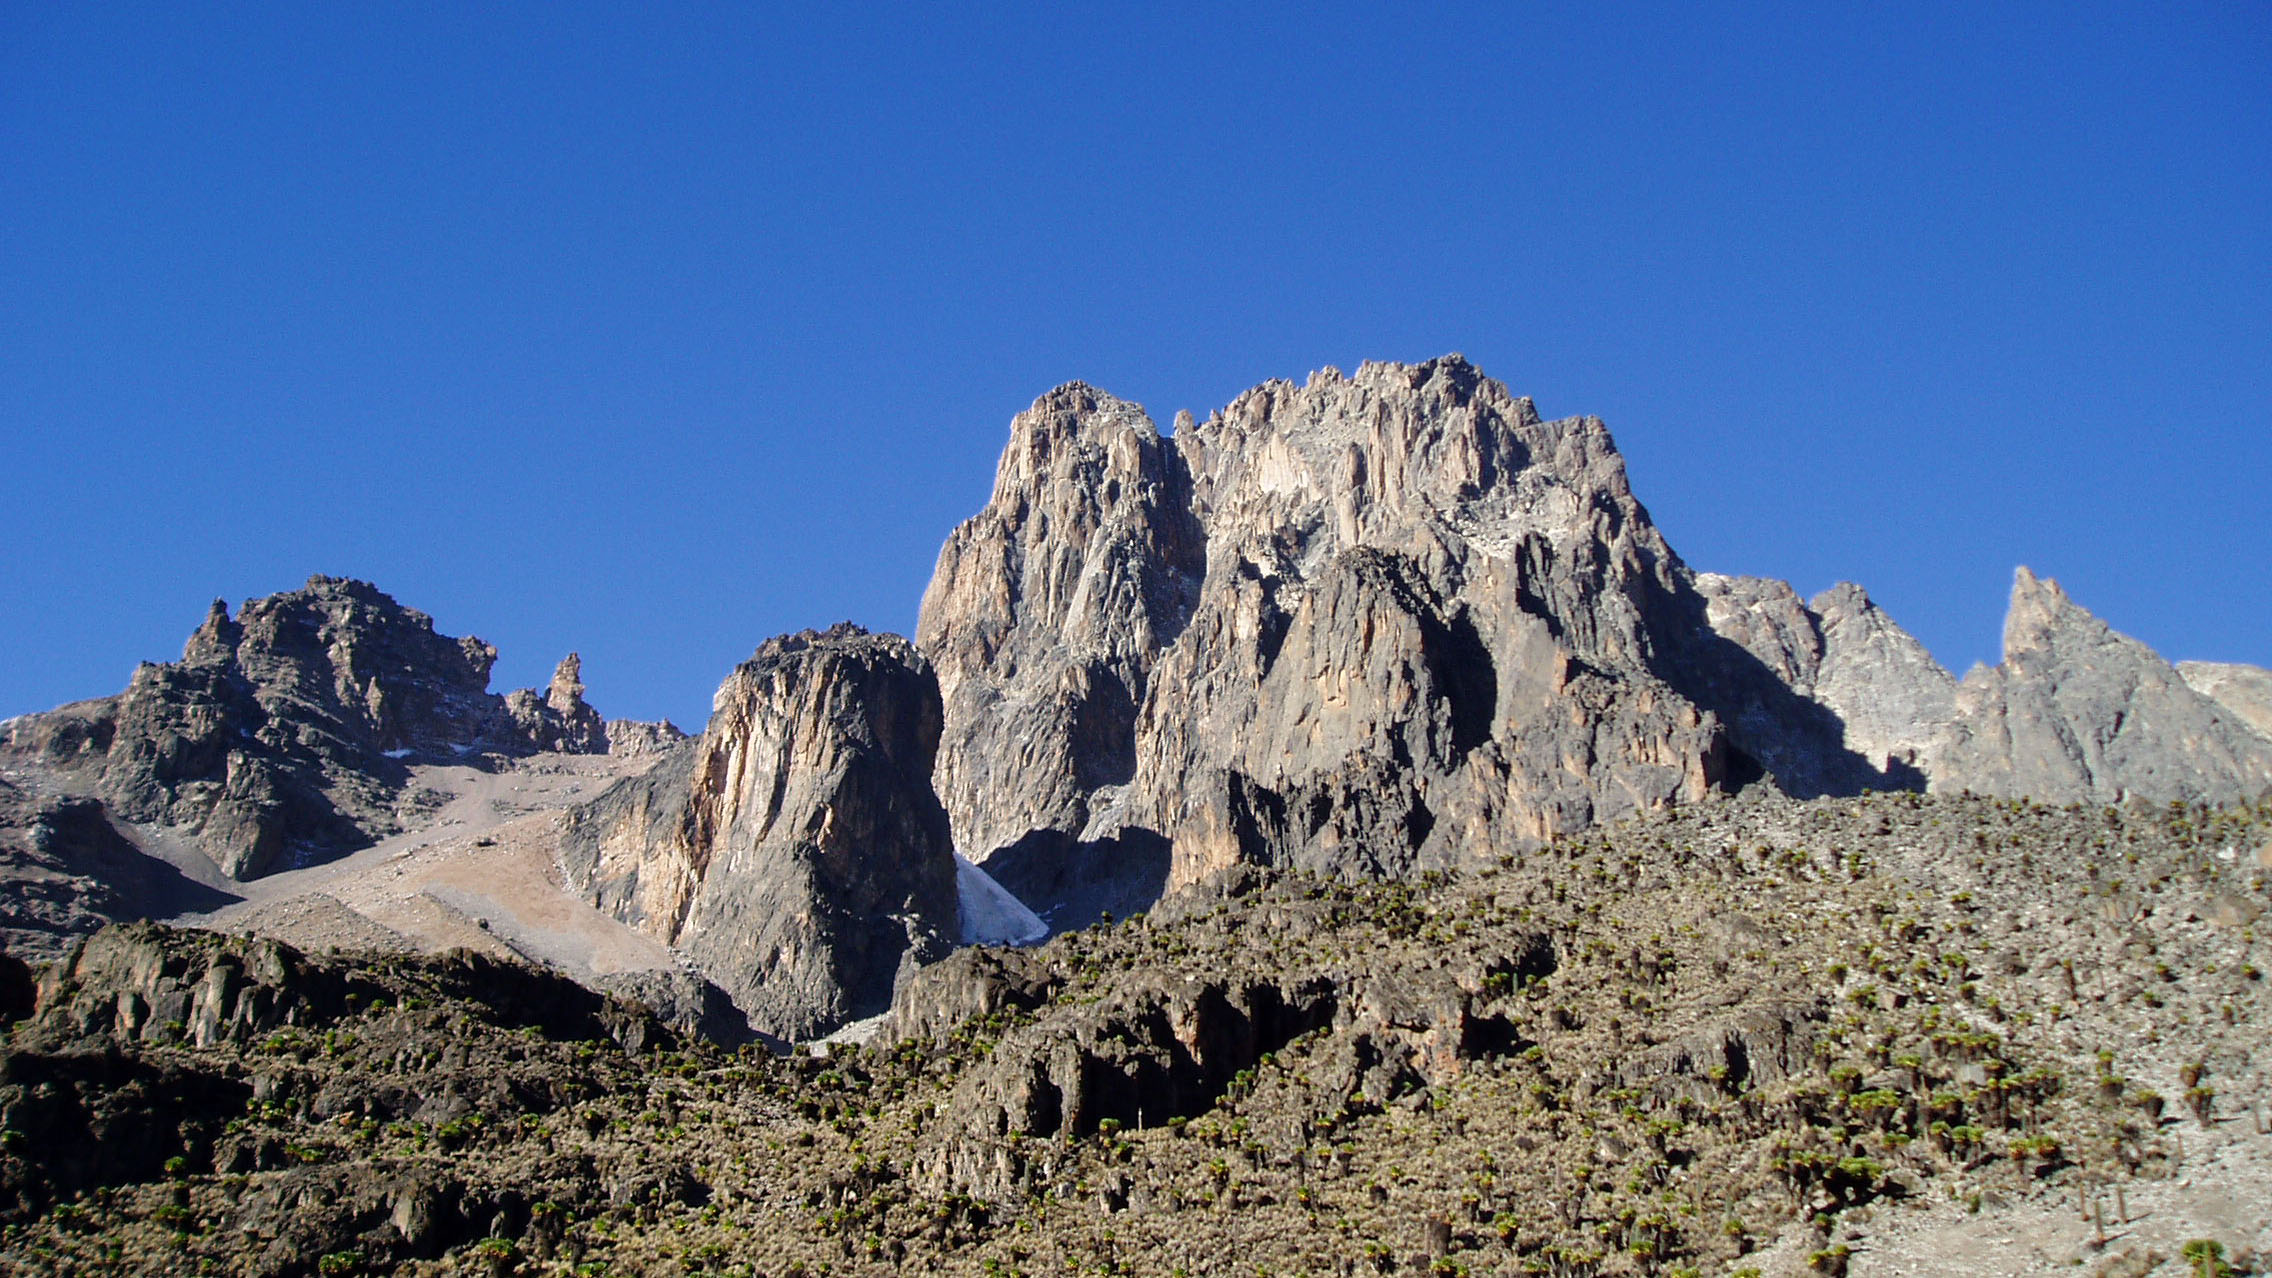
x,y
1366,625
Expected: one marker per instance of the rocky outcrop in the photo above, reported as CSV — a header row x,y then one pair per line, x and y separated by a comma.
x,y
1841,652
69,871
285,732
559,719
149,1046
2079,713
1365,625
147,983
642,737
794,853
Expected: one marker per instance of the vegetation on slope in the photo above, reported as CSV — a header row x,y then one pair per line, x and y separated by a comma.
x,y
1745,1035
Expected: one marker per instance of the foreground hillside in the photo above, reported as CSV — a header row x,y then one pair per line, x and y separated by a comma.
x,y
1894,1034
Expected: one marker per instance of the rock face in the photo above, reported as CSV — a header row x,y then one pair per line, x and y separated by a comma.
x,y
69,871
1365,625
559,720
2244,691
1842,652
284,732
794,853
1046,615
639,737
2079,713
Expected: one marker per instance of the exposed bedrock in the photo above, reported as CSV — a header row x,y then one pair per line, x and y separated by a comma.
x,y
794,853
1367,624
285,733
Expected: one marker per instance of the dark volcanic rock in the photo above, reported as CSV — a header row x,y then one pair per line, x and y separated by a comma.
x,y
69,871
794,853
154,1053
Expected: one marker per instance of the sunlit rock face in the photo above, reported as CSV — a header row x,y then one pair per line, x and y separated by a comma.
x,y
1384,622
2078,713
793,853
1367,624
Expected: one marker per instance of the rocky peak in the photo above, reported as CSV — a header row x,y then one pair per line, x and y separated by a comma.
x,y
1877,693
283,732
2079,713
1048,610
794,853
1336,623
559,719
216,641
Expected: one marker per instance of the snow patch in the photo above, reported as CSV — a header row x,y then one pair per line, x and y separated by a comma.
x,y
990,914
400,754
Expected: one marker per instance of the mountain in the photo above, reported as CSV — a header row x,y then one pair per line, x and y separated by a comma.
x,y
1410,863
1375,624
1368,626
286,735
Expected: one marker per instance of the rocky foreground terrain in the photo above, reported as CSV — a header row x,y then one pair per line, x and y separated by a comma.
x,y
1897,1034
1437,874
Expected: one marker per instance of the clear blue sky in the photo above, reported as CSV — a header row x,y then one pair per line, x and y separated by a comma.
x,y
654,330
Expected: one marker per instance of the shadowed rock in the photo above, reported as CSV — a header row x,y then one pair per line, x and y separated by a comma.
x,y
284,732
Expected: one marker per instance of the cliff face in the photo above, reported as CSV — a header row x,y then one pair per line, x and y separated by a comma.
x,y
1842,653
284,732
794,852
1367,624
1383,622
1048,612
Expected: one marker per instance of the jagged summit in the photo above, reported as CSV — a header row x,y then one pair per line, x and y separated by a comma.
x,y
1365,625
1231,642
2077,712
285,731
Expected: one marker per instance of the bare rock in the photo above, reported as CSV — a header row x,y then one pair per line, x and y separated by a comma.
x,y
559,719
2079,713
641,737
69,871
794,853
2245,691
1840,651
1047,612
284,733
1364,624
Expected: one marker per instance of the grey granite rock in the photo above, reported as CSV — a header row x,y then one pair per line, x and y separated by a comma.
x,y
1047,612
794,853
2079,713
1841,652
2245,691
1365,624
